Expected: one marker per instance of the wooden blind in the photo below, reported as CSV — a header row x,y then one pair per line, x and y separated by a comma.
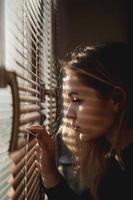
x,y
28,60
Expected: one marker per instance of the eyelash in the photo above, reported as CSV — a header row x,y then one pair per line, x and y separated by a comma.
x,y
76,100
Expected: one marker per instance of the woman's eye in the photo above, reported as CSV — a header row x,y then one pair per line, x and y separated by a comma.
x,y
76,100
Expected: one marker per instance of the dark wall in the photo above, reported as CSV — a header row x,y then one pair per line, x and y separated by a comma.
x,y
89,21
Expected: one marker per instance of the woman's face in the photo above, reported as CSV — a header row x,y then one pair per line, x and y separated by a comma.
x,y
90,115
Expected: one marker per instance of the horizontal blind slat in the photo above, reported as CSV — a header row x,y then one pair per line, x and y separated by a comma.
x,y
29,99
29,71
35,16
34,83
31,117
26,160
30,64
29,108
15,194
18,155
34,189
26,171
28,89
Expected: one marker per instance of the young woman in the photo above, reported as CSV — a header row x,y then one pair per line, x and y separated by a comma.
x,y
97,86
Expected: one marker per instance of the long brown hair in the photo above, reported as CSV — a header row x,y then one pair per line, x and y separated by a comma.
x,y
104,67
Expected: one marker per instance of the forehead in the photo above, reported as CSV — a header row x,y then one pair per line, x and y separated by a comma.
x,y
71,82
71,79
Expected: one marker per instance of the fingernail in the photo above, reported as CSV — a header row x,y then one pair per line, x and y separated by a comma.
x,y
30,132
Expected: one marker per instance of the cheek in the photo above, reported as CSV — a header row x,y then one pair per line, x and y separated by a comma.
x,y
94,121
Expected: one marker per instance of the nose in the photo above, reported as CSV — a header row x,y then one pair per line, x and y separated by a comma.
x,y
70,112
71,115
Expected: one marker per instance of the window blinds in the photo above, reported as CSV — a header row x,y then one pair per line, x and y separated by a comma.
x,y
29,64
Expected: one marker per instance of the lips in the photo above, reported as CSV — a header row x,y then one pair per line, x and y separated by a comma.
x,y
77,128
82,136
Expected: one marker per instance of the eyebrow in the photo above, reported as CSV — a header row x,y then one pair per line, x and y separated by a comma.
x,y
72,93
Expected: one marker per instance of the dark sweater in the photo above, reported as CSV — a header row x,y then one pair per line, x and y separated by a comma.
x,y
116,185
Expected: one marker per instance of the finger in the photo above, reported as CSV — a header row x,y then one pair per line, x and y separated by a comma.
x,y
38,131
38,128
38,155
30,132
38,166
38,149
44,140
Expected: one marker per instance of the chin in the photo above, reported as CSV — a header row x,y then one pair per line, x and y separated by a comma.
x,y
87,138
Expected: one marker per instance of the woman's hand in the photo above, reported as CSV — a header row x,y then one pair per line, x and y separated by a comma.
x,y
45,155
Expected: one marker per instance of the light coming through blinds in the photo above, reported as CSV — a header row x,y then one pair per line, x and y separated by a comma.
x,y
28,66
